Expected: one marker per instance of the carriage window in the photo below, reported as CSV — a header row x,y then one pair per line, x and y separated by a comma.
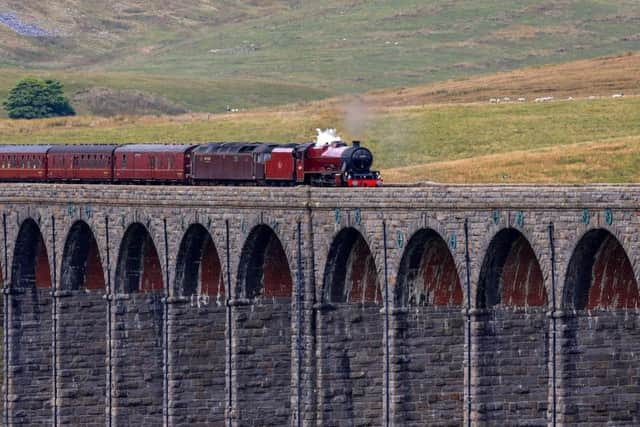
x,y
124,160
171,162
152,162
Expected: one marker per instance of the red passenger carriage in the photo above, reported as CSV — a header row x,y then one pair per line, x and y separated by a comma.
x,y
152,163
81,162
23,162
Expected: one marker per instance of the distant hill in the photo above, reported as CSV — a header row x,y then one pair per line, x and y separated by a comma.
x,y
280,51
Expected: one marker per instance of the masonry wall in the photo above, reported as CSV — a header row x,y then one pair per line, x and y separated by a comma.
x,y
30,354
427,366
137,338
351,363
599,368
197,361
510,366
82,350
262,340
425,346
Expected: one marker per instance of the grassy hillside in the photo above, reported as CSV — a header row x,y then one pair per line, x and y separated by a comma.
x,y
611,160
506,143
209,54
191,93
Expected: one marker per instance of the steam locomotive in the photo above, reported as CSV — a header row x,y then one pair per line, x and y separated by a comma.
x,y
225,163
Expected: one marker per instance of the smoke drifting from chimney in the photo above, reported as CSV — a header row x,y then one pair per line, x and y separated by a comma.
x,y
357,118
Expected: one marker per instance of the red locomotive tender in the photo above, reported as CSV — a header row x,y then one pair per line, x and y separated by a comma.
x,y
229,163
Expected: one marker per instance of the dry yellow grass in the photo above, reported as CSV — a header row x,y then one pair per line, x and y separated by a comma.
x,y
593,77
602,161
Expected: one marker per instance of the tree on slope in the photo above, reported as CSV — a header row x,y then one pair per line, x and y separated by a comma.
x,y
34,98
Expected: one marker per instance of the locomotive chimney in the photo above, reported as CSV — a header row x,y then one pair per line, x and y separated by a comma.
x,y
356,143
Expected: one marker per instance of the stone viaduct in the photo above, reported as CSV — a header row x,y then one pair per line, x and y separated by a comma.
x,y
405,306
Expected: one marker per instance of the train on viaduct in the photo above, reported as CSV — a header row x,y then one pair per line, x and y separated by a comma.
x,y
437,305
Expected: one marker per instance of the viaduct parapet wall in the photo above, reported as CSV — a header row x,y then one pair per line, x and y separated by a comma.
x,y
406,306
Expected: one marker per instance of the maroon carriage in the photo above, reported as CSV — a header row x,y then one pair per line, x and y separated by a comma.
x,y
152,163
23,162
87,163
230,162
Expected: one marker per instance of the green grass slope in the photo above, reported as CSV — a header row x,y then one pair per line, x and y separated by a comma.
x,y
191,93
269,52
550,142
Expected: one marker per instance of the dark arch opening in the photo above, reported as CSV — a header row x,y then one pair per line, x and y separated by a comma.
x,y
350,274
30,267
198,269
264,268
138,268
427,274
81,264
600,275
510,273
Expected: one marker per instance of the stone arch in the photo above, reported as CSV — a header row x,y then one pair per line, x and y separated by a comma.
x,y
262,329
196,333
350,273
350,333
600,274
510,274
264,269
81,261
198,266
511,277
427,292
138,330
600,291
449,233
30,324
427,274
82,328
138,268
31,260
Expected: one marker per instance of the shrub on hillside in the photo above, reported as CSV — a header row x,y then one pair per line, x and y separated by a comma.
x,y
34,98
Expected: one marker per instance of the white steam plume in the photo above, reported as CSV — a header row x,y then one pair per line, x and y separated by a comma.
x,y
326,137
